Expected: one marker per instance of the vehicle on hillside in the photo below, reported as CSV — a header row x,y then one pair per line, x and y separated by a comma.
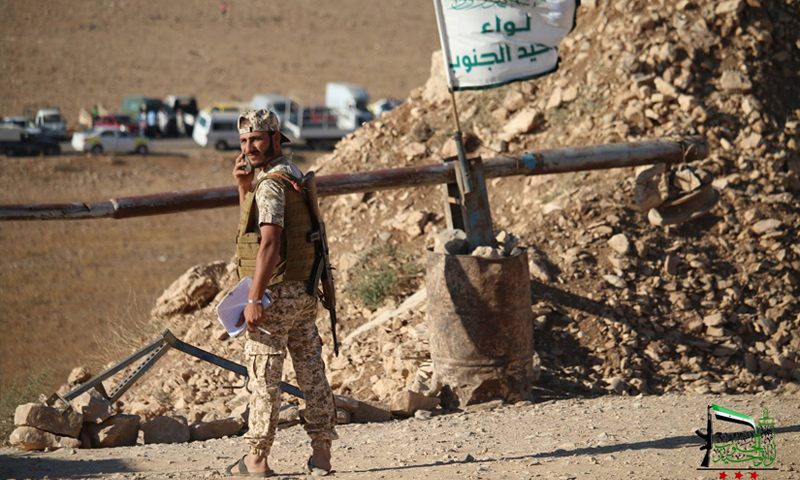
x,y
118,120
132,105
109,140
222,107
217,129
349,102
379,107
271,101
24,123
185,111
15,141
51,122
321,126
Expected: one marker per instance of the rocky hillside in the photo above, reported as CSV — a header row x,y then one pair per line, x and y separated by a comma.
x,y
704,306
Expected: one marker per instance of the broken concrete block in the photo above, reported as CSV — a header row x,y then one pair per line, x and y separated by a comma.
x,y
166,429
31,438
224,427
406,403
48,419
116,431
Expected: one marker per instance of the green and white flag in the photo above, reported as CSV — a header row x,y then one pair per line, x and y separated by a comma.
x,y
726,414
487,43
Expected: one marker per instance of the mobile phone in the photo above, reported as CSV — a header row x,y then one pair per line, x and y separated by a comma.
x,y
248,167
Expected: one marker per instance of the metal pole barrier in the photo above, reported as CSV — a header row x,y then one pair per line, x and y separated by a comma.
x,y
538,162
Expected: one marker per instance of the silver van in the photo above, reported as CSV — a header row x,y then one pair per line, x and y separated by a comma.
x,y
217,129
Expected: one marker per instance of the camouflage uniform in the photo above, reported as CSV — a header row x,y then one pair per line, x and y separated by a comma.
x,y
291,320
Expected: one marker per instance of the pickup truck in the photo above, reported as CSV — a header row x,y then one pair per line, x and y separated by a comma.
x,y
51,122
320,126
16,141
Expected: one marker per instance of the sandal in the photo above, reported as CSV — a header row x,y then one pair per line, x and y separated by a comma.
x,y
243,471
316,471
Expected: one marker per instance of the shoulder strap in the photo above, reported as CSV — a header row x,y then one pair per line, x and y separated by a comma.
x,y
289,179
247,209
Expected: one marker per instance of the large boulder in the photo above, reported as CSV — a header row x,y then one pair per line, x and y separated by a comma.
x,y
116,431
166,429
224,427
31,438
192,290
49,419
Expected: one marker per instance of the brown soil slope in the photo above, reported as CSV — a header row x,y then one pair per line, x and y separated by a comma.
x,y
72,54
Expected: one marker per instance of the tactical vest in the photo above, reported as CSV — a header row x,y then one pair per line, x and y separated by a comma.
x,y
297,254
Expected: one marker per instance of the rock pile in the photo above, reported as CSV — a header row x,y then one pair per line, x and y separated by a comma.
x,y
620,305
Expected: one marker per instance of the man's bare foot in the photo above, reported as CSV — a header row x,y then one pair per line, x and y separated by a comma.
x,y
254,464
321,458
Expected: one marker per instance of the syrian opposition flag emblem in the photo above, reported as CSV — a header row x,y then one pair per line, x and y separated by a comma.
x,y
731,416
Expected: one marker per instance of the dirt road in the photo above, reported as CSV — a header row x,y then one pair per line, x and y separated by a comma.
x,y
608,437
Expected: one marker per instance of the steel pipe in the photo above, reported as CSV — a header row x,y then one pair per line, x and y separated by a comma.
x,y
539,162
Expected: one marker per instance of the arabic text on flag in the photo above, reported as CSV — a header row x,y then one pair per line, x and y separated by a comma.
x,y
490,43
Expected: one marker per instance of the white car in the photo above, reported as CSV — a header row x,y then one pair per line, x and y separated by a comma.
x,y
109,139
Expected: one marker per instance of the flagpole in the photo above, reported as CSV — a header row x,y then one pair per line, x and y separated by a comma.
x,y
476,217
462,155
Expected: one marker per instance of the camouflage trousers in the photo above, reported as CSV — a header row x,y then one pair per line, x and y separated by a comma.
x,y
290,319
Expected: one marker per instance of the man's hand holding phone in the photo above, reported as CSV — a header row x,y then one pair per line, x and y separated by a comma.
x,y
243,172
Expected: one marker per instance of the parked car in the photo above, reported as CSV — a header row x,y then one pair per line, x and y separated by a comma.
x,y
222,107
109,139
118,120
16,141
383,105
217,129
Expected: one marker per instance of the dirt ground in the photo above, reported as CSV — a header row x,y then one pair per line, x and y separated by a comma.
x,y
610,438
67,287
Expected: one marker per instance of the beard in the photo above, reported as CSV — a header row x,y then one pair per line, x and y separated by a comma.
x,y
268,154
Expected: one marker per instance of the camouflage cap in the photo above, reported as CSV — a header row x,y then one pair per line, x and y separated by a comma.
x,y
260,120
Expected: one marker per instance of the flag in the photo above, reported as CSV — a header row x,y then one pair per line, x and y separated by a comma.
x,y
725,414
487,43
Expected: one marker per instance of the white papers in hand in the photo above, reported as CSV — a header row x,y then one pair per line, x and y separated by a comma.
x,y
230,309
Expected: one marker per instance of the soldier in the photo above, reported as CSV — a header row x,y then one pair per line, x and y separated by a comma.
x,y
276,253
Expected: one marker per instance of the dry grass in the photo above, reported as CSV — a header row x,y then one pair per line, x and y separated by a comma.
x,y
66,285
21,391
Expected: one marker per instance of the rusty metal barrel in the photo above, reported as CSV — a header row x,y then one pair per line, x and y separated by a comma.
x,y
481,333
